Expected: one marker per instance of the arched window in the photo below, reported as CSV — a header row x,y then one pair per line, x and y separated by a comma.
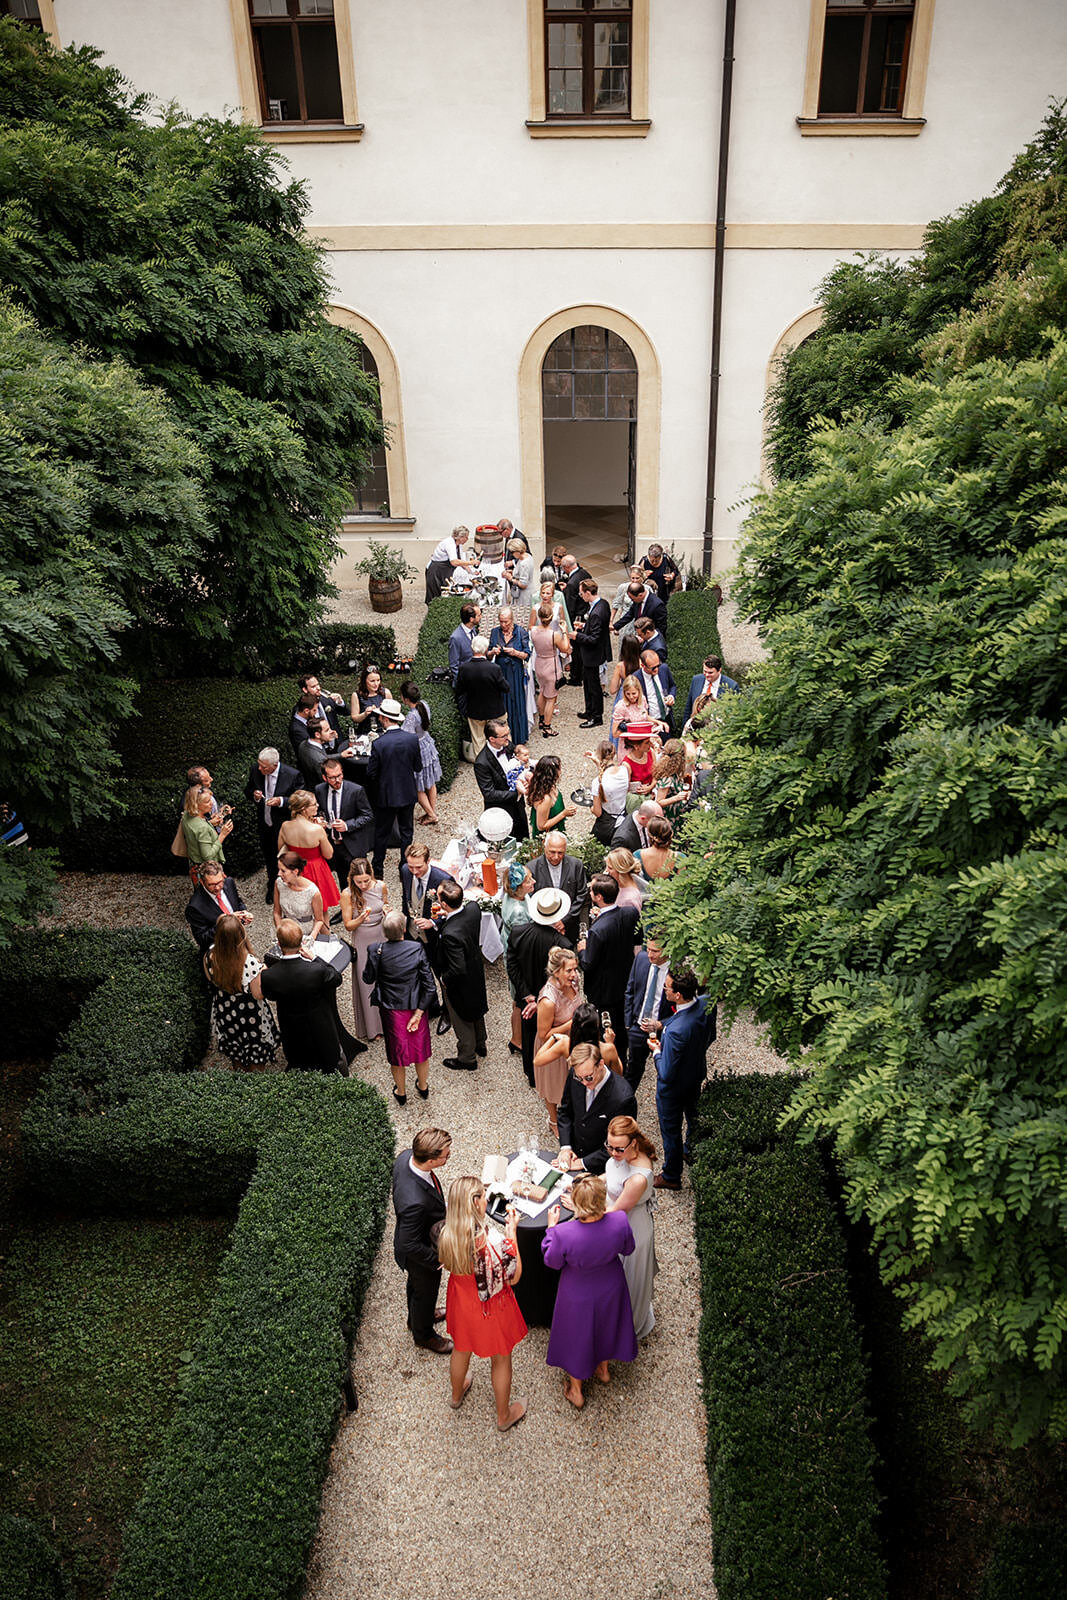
x,y
386,485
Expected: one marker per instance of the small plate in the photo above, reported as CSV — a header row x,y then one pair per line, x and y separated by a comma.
x,y
581,797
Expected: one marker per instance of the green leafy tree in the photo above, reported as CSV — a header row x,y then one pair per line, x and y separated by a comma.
x,y
172,245
882,872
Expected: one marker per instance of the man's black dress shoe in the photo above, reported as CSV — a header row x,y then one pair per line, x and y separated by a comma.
x,y
439,1346
459,1066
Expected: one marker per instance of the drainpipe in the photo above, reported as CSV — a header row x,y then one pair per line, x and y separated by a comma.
x,y
720,262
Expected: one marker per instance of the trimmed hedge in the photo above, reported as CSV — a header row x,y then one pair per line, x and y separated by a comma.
x,y
790,1461
232,1501
692,634
30,1565
447,726
1029,1563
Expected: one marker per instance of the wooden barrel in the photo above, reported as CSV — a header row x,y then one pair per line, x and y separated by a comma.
x,y
489,542
386,594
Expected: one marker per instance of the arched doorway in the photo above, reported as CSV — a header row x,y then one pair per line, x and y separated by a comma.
x,y
589,409
797,331
384,493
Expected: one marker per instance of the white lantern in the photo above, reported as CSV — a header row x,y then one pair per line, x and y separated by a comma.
x,y
494,825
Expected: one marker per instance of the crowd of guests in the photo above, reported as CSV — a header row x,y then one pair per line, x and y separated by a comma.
x,y
593,999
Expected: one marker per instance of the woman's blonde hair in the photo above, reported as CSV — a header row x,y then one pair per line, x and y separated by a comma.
x,y
621,861
626,1128
458,1242
191,804
589,1197
632,683
557,956
300,800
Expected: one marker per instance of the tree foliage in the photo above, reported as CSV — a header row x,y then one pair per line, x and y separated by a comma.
x,y
172,245
883,875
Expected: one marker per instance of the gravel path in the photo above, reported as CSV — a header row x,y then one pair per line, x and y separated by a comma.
x,y
426,1501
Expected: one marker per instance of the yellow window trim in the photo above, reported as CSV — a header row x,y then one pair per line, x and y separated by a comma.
x,y
244,53
911,120
538,124
48,21
396,461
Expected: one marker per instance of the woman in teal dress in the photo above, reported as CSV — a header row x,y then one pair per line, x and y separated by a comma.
x,y
509,647
548,813
518,884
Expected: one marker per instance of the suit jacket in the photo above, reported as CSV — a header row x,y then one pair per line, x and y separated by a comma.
x,y
594,641
489,776
400,974
418,1206
459,957
586,1131
286,779
394,767
527,957
635,992
428,936
202,912
696,689
652,607
326,709
609,955
312,757
573,881
626,835
667,686
357,816
307,1020
576,606
482,689
657,643
682,1063
459,651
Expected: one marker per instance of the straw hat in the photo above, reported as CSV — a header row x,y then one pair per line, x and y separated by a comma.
x,y
549,906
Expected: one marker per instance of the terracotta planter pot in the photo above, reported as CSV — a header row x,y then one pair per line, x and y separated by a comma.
x,y
386,594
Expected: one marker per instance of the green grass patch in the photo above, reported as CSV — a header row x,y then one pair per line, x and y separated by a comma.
x,y
97,1314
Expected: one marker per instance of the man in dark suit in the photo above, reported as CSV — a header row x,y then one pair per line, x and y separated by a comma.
x,y
592,1096
659,689
270,783
573,577
712,681
527,961
461,641
631,833
606,955
681,1053
649,637
418,880
644,607
490,772
592,640
482,689
315,750
306,706
646,1005
301,987
327,706
349,818
215,896
555,869
459,958
419,1203
393,773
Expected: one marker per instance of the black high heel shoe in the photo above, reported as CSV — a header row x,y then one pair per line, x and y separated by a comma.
x,y
401,1099
516,1049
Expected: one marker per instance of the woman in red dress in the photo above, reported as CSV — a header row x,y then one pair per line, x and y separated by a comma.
x,y
306,837
481,1313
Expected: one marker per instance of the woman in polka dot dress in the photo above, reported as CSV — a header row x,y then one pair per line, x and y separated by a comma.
x,y
244,1027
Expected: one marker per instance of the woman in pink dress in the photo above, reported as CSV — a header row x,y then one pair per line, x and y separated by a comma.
x,y
622,866
556,1005
546,640
363,907
306,837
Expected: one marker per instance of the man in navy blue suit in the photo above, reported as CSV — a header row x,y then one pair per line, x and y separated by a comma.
x,y
649,637
393,774
349,817
712,681
461,644
418,880
646,1006
644,606
681,1054
659,688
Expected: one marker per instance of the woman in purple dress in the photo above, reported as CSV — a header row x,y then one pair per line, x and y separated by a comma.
x,y
593,1321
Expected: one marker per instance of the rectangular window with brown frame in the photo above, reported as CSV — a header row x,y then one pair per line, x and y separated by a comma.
x,y
865,58
28,11
588,47
295,44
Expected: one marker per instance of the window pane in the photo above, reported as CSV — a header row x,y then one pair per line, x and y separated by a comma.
x,y
564,44
611,5
322,78
315,8
842,47
611,61
565,93
23,10
564,5
885,64
269,8
620,356
279,74
622,385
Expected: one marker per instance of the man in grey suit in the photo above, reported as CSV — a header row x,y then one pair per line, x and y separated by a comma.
x,y
631,832
419,1203
461,643
349,818
557,870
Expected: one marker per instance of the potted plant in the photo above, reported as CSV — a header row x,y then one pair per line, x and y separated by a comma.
x,y
385,568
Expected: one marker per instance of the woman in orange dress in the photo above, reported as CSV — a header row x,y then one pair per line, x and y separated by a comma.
x,y
481,1312
306,837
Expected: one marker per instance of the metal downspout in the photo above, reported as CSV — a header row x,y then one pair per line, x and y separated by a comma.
x,y
716,292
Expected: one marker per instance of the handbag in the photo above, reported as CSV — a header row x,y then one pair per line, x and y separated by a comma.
x,y
179,844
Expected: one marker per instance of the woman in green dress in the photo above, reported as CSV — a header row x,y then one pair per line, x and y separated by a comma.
x,y
548,813
201,840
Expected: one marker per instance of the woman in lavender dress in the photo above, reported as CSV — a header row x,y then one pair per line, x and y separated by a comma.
x,y
417,722
593,1321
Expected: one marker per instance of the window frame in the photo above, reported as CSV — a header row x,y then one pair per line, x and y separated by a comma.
x,y
599,125
250,80
909,121
586,14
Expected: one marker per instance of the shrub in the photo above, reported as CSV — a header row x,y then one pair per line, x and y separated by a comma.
x,y
231,1503
789,1456
448,727
1029,1563
29,1562
692,634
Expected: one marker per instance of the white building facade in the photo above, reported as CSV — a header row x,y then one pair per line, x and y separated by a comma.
x,y
490,175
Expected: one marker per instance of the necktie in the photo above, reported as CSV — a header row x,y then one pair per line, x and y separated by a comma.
x,y
420,885
223,907
647,1005
335,804
436,1182
654,681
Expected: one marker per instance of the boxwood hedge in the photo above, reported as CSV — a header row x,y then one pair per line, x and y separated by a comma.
x,y
692,634
30,1566
789,1455
122,1121
441,620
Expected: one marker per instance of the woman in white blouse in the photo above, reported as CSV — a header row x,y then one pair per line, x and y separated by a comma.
x,y
447,556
